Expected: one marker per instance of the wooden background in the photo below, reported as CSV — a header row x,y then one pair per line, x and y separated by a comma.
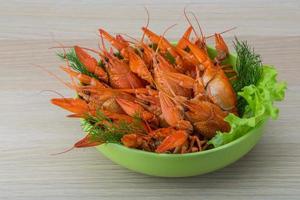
x,y
31,129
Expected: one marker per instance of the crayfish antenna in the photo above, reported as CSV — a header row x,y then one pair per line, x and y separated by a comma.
x,y
227,30
68,65
189,21
125,34
147,24
54,75
102,42
67,61
162,37
197,21
52,91
65,151
72,46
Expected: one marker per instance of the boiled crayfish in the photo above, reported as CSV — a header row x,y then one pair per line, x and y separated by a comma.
x,y
180,94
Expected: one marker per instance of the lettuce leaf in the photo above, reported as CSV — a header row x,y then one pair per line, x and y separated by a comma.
x,y
260,106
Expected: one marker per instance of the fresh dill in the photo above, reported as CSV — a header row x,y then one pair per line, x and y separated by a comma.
x,y
170,58
75,63
248,65
248,68
153,46
118,55
101,64
103,129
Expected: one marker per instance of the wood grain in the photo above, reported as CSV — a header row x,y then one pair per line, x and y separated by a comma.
x,y
31,129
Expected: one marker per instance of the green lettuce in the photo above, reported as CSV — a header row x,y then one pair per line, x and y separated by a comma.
x,y
260,98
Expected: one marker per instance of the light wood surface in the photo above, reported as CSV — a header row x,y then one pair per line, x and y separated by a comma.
x,y
31,129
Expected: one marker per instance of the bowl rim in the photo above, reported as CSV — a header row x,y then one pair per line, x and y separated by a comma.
x,y
165,155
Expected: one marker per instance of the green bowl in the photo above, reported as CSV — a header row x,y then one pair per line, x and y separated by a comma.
x,y
182,165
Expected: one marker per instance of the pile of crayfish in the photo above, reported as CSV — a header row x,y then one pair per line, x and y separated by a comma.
x,y
179,92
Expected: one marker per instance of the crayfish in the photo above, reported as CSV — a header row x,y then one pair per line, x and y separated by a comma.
x,y
180,94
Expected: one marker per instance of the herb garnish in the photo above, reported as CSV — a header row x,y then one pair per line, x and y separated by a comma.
x,y
103,129
170,58
248,68
75,63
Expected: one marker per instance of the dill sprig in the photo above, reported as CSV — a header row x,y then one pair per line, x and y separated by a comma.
x,y
75,63
170,58
248,65
103,129
118,55
248,68
167,55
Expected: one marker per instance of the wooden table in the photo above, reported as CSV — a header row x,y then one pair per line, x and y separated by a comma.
x,y
31,129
